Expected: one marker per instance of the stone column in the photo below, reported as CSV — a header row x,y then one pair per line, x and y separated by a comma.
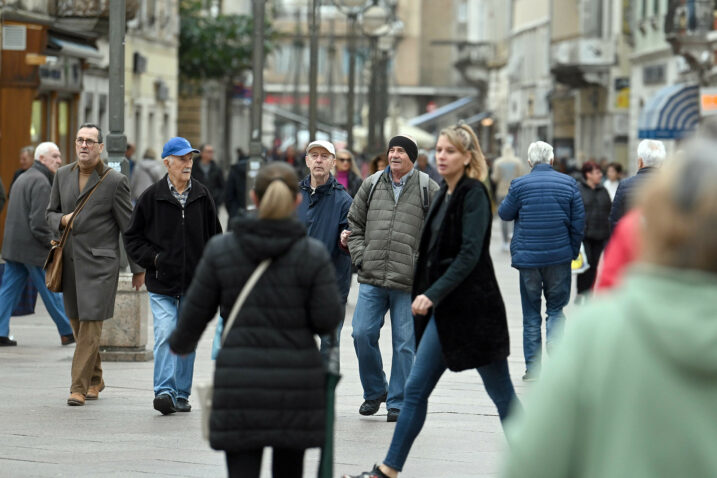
x,y
124,336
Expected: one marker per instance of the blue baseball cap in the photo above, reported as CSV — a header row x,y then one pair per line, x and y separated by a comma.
x,y
177,147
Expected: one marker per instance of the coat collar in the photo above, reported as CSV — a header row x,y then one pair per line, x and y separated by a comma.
x,y
91,182
44,170
542,167
164,194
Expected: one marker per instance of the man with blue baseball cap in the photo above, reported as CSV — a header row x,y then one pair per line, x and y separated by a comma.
x,y
171,223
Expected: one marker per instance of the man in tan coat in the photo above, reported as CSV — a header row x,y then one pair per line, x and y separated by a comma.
x,y
505,170
91,257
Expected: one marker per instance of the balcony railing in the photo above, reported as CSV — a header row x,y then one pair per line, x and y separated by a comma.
x,y
90,8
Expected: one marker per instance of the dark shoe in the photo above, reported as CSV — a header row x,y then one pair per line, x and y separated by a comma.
x,y
7,342
164,404
530,377
67,339
392,415
94,391
183,405
369,407
375,473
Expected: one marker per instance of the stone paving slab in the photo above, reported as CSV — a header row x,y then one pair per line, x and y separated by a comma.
x,y
120,435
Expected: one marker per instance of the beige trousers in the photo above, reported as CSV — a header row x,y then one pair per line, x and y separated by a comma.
x,y
86,363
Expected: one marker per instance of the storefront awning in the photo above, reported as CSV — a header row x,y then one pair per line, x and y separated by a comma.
x,y
442,111
673,113
71,48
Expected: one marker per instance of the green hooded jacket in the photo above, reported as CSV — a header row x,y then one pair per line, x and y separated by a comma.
x,y
631,390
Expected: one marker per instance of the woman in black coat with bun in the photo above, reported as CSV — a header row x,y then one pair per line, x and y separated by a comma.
x,y
269,378
458,310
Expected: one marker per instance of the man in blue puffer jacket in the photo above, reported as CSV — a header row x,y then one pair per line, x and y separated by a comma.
x,y
323,210
549,218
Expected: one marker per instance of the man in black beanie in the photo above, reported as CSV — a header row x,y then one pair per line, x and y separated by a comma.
x,y
385,220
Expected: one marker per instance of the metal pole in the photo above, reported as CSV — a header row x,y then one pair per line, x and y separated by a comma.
x,y
373,98
352,83
115,140
313,68
298,56
382,102
257,98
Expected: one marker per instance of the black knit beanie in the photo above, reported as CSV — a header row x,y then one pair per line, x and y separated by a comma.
x,y
407,144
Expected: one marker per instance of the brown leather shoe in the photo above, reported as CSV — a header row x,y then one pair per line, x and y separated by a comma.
x,y
67,339
76,399
94,392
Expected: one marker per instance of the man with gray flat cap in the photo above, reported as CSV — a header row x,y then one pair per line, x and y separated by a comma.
x,y
385,221
171,223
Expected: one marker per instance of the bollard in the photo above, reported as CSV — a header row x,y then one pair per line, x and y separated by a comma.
x,y
124,336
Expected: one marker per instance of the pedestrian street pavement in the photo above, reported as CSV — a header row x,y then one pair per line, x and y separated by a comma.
x,y
121,435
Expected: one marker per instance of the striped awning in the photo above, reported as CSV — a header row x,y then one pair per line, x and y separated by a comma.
x,y
673,113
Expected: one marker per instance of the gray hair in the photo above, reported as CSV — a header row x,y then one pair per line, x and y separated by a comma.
x,y
44,148
540,152
679,206
29,150
652,152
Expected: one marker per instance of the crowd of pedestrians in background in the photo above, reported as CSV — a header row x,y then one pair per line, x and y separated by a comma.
x,y
417,232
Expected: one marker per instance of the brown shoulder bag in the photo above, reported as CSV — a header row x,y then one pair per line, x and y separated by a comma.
x,y
53,263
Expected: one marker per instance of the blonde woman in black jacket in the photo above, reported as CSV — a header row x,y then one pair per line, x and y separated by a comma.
x,y
269,379
459,316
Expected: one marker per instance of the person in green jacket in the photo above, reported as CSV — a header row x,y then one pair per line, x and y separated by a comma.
x,y
631,391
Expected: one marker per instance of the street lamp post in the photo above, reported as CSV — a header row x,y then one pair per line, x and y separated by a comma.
x,y
115,140
374,24
257,99
313,69
352,9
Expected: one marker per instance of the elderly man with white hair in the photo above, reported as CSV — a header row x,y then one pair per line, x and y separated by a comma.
x,y
549,217
171,223
650,155
27,242
385,219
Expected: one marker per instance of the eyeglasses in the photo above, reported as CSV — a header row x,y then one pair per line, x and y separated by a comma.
x,y
344,160
324,156
89,142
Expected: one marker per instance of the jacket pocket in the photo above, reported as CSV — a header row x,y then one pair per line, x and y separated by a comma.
x,y
104,253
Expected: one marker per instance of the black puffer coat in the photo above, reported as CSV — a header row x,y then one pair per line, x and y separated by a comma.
x,y
597,211
269,378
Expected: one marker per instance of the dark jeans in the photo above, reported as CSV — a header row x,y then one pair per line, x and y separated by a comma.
x,y
593,249
286,463
553,281
426,371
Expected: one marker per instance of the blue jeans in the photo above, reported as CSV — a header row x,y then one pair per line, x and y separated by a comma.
x,y
554,282
371,307
425,374
172,373
13,281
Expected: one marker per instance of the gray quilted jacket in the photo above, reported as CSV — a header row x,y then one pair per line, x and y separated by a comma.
x,y
385,234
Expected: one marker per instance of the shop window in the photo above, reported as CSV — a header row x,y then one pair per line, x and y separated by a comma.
x,y
38,132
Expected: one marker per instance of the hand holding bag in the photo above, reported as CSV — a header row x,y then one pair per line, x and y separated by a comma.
x,y
53,263
206,391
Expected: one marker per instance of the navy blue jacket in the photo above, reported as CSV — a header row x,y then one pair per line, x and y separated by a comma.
x,y
324,215
624,196
549,218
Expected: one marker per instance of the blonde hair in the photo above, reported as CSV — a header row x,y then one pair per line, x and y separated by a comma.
x,y
276,188
464,138
354,166
679,206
